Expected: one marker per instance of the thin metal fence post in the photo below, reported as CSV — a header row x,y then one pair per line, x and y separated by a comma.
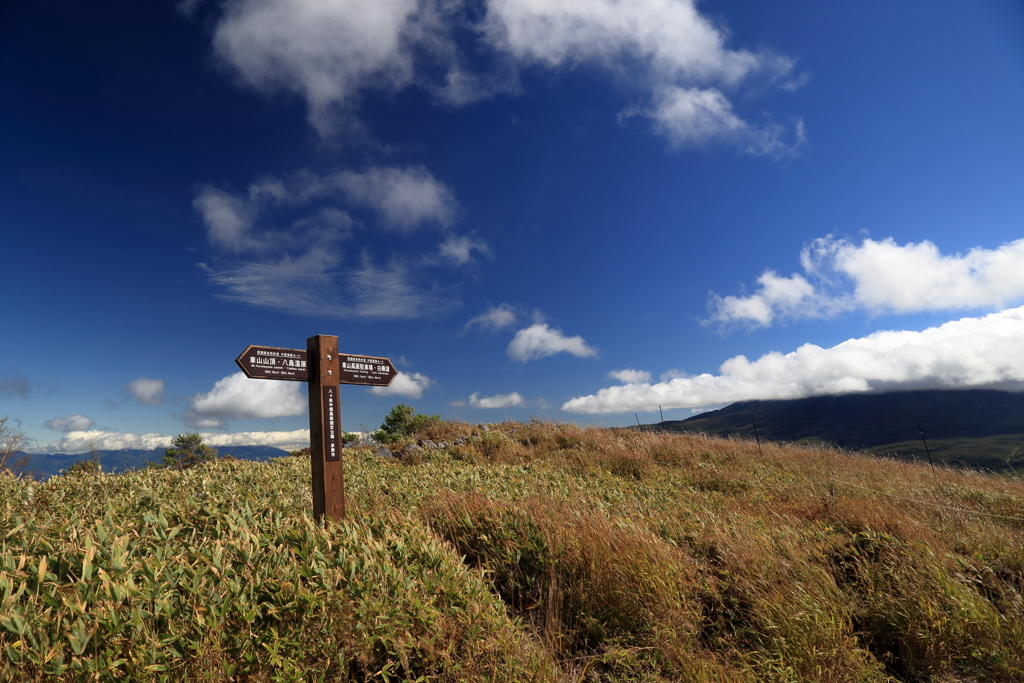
x,y
926,448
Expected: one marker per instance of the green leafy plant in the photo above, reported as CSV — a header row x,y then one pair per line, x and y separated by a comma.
x,y
403,422
188,450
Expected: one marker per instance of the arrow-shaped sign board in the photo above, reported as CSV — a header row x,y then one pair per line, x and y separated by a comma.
x,y
369,370
271,362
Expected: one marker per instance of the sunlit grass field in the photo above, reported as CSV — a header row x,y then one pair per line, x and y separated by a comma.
x,y
532,552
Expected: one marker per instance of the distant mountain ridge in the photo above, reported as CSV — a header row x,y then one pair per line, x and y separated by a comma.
x,y
43,465
868,421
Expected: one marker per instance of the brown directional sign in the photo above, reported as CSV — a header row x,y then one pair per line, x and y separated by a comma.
x,y
370,370
270,362
324,369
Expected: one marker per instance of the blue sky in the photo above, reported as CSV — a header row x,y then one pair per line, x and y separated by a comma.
x,y
571,210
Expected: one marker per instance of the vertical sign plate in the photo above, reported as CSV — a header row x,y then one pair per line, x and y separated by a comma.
x,y
332,423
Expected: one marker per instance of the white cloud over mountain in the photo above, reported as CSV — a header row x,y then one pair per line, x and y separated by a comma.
x,y
82,441
236,397
980,352
540,340
880,277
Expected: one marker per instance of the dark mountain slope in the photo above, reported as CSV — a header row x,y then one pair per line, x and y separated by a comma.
x,y
869,420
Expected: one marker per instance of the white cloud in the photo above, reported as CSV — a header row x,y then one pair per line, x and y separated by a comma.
x,y
967,353
497,401
880,277
630,376
298,438
698,116
325,51
236,397
495,318
666,46
82,441
149,392
460,249
409,384
405,197
228,219
328,52
72,423
540,340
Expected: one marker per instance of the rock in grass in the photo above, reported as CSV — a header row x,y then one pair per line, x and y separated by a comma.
x,y
412,452
383,452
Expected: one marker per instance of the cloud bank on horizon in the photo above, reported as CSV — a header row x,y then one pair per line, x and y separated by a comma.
x,y
969,353
83,441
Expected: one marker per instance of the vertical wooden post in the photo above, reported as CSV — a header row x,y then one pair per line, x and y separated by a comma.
x,y
325,435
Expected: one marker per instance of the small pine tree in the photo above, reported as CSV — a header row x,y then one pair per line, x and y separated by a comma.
x,y
402,421
188,450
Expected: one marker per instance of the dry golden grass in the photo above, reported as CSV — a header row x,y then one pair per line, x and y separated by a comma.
x,y
533,551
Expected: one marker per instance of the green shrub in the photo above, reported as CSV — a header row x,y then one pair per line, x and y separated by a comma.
x,y
188,450
402,422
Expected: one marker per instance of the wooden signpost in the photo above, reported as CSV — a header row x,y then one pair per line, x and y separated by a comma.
x,y
324,369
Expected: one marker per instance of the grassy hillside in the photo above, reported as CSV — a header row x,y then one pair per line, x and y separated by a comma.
x,y
534,552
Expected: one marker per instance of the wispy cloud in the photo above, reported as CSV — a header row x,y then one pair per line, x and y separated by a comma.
x,y
72,423
82,441
695,116
967,353
14,384
408,384
404,197
497,401
540,340
284,234
289,284
495,318
879,277
148,392
459,249
304,208
630,376
236,397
